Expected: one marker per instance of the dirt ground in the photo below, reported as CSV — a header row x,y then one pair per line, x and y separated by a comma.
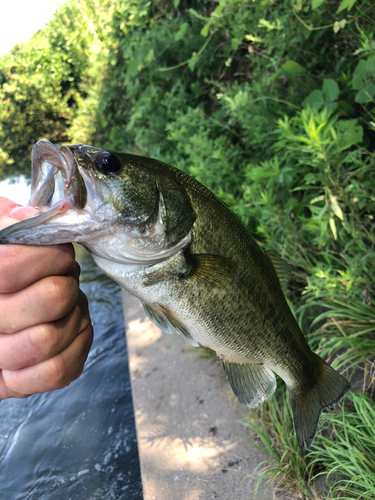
x,y
192,445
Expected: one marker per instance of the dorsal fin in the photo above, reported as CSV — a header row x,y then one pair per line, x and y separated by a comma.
x,y
283,269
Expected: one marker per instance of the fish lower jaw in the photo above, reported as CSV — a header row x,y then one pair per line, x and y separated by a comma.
x,y
117,254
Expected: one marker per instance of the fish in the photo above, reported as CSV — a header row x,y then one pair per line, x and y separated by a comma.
x,y
198,272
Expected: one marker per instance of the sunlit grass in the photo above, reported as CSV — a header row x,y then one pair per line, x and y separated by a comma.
x,y
272,422
341,462
347,452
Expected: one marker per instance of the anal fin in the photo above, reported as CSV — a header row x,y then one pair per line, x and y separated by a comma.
x,y
252,384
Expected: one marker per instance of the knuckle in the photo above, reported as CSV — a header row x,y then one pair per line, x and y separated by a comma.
x,y
65,257
58,375
45,339
78,372
62,294
88,336
83,303
13,384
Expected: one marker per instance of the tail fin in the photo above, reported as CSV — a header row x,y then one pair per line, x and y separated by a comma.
x,y
307,406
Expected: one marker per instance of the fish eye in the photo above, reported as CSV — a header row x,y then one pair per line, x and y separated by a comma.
x,y
108,163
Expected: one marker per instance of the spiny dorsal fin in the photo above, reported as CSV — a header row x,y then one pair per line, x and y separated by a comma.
x,y
283,269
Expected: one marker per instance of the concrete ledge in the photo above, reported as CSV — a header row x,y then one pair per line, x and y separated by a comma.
x,y
191,444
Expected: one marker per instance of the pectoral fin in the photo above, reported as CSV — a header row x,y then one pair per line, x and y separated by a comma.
x,y
213,270
210,270
252,384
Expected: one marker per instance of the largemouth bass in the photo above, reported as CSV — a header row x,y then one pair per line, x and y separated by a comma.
x,y
169,241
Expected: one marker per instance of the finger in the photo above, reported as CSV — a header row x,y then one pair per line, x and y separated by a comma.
x,y
44,301
38,343
5,206
11,212
22,265
54,373
6,393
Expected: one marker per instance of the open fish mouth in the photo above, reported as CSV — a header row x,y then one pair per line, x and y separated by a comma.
x,y
55,178
57,187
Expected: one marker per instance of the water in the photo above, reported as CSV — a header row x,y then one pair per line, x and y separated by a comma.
x,y
78,443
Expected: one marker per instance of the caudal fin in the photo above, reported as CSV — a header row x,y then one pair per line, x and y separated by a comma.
x,y
328,391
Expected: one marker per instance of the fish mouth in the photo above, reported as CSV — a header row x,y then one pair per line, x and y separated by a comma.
x,y
57,189
55,178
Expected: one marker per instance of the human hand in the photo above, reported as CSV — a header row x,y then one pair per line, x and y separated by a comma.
x,y
45,327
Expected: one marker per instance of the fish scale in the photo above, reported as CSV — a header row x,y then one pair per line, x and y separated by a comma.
x,y
168,240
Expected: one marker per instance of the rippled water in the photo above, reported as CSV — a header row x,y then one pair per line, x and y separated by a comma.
x,y
78,443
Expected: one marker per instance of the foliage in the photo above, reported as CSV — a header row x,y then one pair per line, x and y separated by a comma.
x,y
268,103
273,426
350,463
40,83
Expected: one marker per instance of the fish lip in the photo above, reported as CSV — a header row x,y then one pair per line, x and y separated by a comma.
x,y
55,178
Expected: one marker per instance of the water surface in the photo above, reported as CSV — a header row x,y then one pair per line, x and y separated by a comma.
x,y
77,443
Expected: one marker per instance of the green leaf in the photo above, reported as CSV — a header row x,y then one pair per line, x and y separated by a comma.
x,y
333,228
336,209
345,108
331,107
364,74
192,62
311,178
348,133
205,29
133,69
365,95
316,3
330,90
345,4
183,30
314,100
150,56
218,10
290,69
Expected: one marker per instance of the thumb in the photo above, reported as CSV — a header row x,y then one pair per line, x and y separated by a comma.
x,y
10,212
